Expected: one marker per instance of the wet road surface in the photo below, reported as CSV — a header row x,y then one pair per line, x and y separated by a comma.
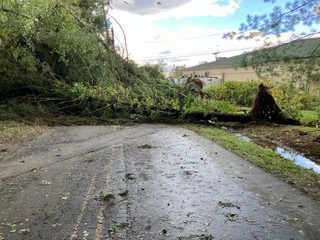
x,y
144,182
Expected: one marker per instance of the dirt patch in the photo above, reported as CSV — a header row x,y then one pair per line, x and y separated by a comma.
x,y
301,139
13,135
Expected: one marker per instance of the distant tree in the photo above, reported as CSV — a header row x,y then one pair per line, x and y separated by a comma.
x,y
154,71
285,18
177,72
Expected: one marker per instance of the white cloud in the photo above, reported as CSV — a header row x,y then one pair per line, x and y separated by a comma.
x,y
179,9
186,44
205,8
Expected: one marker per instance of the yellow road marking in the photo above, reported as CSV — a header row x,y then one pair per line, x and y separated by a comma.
x,y
84,206
100,217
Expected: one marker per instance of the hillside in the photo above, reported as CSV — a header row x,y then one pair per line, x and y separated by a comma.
x,y
299,49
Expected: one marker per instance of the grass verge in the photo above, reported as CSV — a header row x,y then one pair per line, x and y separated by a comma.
x,y
305,180
309,118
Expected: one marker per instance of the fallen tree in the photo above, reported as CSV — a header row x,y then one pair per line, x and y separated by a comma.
x,y
265,109
242,118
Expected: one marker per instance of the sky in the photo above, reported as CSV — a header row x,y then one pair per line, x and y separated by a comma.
x,y
185,32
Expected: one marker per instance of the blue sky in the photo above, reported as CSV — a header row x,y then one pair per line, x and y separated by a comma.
x,y
220,22
186,32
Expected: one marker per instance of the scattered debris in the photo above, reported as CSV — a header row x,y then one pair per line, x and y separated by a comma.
x,y
206,237
45,183
146,146
89,160
85,234
188,173
122,225
228,204
56,224
124,194
24,231
112,230
107,196
130,176
12,227
65,197
231,217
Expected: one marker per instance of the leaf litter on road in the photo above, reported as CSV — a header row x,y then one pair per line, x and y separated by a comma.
x,y
146,146
107,196
124,193
130,176
228,205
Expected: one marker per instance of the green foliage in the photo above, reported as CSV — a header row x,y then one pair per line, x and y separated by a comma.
x,y
154,71
284,18
177,72
52,41
198,104
238,93
27,111
309,118
56,58
308,101
299,59
318,115
290,99
286,97
59,53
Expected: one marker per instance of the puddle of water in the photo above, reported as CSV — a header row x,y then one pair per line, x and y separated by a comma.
x,y
298,159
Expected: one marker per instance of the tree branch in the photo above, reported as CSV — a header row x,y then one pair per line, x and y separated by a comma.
x,y
93,29
7,10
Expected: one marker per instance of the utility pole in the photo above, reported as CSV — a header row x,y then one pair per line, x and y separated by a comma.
x,y
216,55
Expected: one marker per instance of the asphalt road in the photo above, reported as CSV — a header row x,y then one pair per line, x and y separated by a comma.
x,y
144,182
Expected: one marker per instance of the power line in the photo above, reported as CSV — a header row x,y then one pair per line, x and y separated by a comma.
x,y
187,38
155,58
194,54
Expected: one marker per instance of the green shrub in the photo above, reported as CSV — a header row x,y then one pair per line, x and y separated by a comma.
x,y
308,101
309,118
14,110
287,98
238,93
318,114
198,104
